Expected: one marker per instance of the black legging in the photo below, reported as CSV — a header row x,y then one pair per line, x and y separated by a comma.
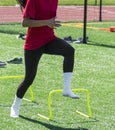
x,y
32,57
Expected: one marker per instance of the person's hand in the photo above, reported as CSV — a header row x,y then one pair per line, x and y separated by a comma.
x,y
52,23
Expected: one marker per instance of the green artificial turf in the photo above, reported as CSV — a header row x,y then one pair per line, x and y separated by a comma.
x,y
94,70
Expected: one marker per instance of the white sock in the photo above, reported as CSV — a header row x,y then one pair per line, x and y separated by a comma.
x,y
15,107
17,102
67,83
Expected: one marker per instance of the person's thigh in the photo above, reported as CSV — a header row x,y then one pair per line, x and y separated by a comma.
x,y
31,61
58,47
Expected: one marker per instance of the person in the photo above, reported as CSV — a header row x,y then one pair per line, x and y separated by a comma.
x,y
40,18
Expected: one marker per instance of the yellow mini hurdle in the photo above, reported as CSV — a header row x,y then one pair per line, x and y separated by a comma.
x,y
50,117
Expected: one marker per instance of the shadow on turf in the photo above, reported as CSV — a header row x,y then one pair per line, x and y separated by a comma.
x,y
50,126
99,44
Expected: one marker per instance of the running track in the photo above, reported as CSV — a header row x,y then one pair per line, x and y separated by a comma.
x,y
64,13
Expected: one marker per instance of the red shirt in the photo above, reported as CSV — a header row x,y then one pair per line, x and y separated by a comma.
x,y
39,10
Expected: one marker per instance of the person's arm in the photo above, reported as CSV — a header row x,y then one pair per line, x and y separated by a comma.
x,y
52,23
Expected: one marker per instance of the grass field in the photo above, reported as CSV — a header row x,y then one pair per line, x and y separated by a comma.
x,y
67,2
94,70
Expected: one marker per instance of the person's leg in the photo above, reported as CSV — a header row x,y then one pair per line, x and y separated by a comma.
x,y
31,61
60,47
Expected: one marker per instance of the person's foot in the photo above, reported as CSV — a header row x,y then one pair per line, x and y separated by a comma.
x,y
70,94
14,112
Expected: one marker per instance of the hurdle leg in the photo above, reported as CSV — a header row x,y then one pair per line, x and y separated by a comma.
x,y
31,95
89,115
49,105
